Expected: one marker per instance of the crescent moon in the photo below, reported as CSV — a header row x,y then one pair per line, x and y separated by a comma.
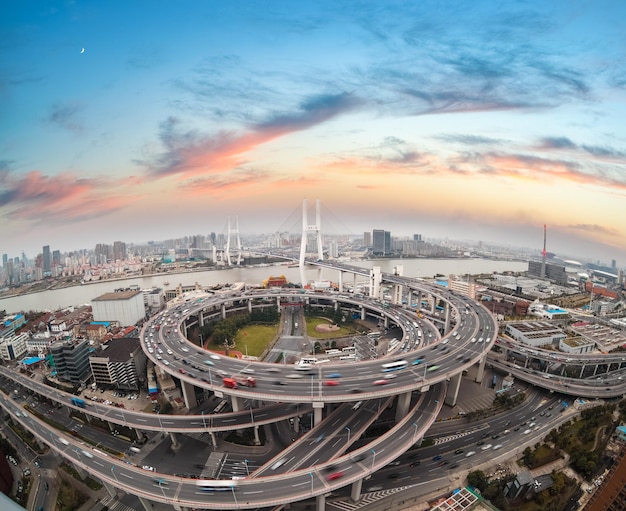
x,y
82,50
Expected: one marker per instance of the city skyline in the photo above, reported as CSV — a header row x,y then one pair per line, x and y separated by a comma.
x,y
463,120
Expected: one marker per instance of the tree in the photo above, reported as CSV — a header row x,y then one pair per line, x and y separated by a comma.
x,y
477,479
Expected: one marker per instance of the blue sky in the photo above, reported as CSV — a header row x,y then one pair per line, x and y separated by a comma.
x,y
466,120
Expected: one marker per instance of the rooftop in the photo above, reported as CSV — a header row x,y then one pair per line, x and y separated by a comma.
x,y
120,295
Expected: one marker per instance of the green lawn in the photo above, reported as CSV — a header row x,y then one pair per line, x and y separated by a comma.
x,y
312,322
256,338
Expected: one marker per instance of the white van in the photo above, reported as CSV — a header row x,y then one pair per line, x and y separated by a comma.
x,y
63,441
86,453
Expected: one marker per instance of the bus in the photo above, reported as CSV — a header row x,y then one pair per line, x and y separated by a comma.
x,y
394,366
216,484
221,405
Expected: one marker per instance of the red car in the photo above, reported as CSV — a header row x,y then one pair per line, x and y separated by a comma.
x,y
182,371
331,383
335,475
381,382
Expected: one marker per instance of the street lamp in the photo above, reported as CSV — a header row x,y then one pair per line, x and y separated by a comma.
x,y
373,457
311,474
251,416
247,468
113,472
203,421
348,434
415,433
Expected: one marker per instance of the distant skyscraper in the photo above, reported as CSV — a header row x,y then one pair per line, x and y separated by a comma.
x,y
56,257
417,237
5,260
367,239
119,251
381,242
46,259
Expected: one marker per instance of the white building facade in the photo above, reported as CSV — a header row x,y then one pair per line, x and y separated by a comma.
x,y
125,307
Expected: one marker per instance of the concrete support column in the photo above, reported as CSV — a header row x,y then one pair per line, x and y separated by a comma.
x,y
318,408
296,424
582,370
409,297
200,319
433,304
402,405
386,322
80,470
375,280
147,505
362,313
257,440
249,306
419,300
237,403
223,311
320,503
139,434
340,281
111,490
446,311
481,369
355,491
175,443
213,438
189,394
453,390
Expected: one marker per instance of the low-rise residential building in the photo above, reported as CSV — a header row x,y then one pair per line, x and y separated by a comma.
x,y
576,345
13,346
535,333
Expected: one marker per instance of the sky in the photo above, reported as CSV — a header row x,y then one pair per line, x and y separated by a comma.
x,y
473,120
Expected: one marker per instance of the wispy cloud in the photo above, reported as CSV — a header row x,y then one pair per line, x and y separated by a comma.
x,y
65,115
474,140
191,153
600,152
595,228
37,198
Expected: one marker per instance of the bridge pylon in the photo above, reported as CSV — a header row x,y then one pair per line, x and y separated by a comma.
x,y
308,229
234,230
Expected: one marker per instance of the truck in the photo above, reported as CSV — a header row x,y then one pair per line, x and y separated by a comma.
x,y
235,381
230,383
79,402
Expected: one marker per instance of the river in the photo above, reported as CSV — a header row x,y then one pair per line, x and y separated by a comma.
x,y
77,295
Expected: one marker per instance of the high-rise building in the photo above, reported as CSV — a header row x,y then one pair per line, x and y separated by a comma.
x,y
417,237
381,242
71,360
5,260
119,251
56,257
46,259
119,365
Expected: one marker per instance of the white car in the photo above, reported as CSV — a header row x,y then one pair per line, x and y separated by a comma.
x,y
214,356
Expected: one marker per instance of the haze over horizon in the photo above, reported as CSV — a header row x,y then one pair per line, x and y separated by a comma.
x,y
459,120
